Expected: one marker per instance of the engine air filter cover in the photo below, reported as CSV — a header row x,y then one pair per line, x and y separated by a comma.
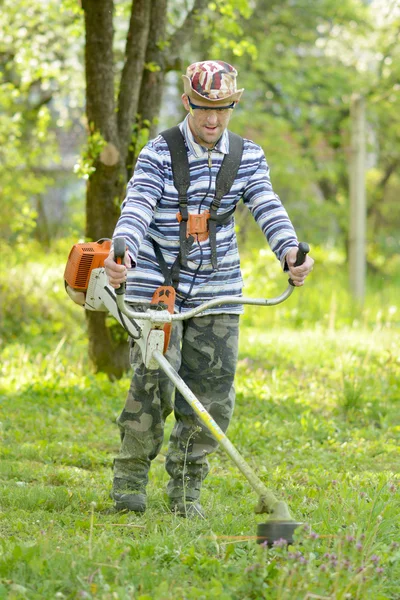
x,y
82,259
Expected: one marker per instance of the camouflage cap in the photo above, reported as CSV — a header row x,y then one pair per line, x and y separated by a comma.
x,y
212,80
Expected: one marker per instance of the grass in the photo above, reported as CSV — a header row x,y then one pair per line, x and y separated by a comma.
x,y
317,417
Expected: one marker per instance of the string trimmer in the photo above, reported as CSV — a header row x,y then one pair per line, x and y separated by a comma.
x,y
87,284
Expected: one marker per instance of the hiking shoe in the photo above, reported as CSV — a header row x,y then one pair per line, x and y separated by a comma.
x,y
188,509
130,501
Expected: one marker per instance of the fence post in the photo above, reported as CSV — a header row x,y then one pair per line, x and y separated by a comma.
x,y
357,255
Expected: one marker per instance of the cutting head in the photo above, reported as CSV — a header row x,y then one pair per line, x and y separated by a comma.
x,y
275,531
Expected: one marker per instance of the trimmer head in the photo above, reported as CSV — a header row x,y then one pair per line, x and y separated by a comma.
x,y
275,531
281,525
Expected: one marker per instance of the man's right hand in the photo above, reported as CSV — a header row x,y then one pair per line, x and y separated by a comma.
x,y
116,274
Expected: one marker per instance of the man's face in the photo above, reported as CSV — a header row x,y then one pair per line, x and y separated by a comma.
x,y
207,126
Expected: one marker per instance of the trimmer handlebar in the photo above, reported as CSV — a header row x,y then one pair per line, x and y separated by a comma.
x,y
157,316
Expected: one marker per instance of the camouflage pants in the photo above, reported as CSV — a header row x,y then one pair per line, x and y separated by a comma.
x,y
203,350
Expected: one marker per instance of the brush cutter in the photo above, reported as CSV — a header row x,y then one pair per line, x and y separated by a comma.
x,y
87,284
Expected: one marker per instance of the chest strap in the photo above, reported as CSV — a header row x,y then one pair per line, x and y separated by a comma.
x,y
181,176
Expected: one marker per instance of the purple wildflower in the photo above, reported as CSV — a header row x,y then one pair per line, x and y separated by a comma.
x,y
394,545
375,558
360,569
332,556
281,543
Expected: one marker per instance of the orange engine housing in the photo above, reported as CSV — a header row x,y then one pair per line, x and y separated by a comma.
x,y
82,259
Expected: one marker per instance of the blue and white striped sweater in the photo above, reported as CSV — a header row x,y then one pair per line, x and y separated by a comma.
x,y
151,205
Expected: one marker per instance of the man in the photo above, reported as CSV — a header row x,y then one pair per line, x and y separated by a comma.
x,y
186,240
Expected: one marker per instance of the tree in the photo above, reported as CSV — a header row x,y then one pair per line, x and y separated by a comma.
x,y
37,55
311,58
295,91
149,53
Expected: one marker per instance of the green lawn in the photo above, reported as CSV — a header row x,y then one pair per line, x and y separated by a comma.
x,y
317,417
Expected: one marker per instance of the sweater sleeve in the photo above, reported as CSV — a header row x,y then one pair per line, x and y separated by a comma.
x,y
144,191
269,212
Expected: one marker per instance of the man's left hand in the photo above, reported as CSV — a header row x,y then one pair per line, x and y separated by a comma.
x,y
298,274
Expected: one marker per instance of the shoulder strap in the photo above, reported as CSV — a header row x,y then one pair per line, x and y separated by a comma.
x,y
179,158
230,166
225,179
181,174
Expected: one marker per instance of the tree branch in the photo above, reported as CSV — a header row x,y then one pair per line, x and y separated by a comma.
x,y
185,31
135,52
390,169
100,107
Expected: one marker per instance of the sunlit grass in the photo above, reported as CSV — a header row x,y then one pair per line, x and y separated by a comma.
x,y
317,416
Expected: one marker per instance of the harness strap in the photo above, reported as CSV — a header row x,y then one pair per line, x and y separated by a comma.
x,y
181,176
171,275
225,179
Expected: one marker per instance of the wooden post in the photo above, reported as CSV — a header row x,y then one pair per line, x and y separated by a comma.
x,y
357,256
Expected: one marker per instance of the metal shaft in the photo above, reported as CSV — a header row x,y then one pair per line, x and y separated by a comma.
x,y
267,501
167,318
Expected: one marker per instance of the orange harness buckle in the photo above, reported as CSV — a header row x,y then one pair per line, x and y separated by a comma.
x,y
197,225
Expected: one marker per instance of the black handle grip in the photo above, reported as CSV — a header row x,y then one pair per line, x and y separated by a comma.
x,y
302,252
119,255
304,249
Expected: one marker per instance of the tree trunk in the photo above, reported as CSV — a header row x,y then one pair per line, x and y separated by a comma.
x,y
152,83
162,56
106,186
107,355
151,90
107,183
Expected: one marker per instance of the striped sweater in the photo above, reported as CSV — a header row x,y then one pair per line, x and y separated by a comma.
x,y
151,205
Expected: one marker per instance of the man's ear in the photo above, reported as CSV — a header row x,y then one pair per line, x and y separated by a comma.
x,y
185,102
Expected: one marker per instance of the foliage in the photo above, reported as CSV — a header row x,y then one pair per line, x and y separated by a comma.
x,y
330,303
222,31
311,58
38,53
299,63
95,144
316,417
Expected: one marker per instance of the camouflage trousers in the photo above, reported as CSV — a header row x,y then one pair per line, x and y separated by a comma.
x,y
203,350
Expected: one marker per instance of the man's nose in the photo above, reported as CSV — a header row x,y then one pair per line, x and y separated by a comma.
x,y
212,117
